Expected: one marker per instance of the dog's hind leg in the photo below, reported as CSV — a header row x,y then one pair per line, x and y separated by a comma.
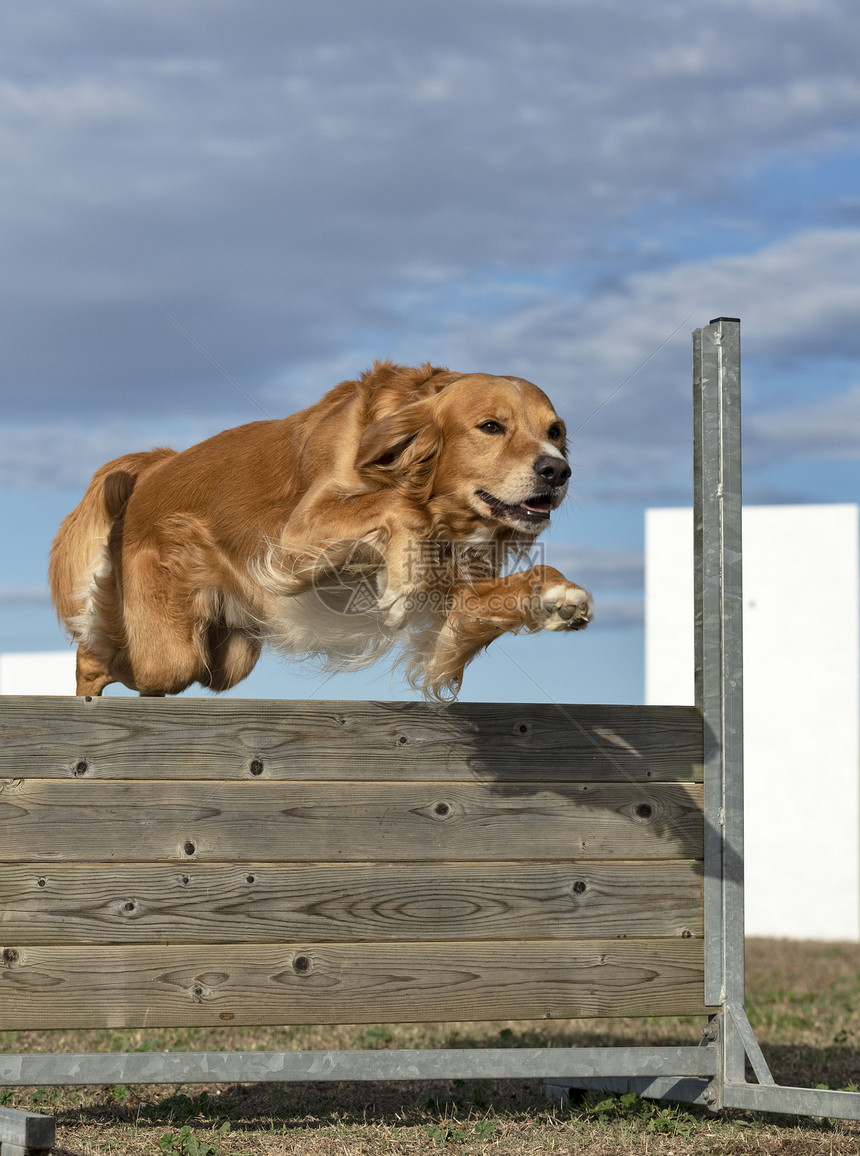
x,y
164,652
187,617
233,654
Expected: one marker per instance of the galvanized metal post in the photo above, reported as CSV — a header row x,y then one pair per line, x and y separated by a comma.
x,y
719,667
719,695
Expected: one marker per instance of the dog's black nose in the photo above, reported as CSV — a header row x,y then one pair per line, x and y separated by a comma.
x,y
554,471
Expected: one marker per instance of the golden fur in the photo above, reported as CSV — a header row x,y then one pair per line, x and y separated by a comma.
x,y
382,516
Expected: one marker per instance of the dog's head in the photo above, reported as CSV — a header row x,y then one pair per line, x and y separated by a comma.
x,y
492,446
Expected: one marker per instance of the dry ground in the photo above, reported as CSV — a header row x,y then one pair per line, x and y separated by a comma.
x,y
803,1000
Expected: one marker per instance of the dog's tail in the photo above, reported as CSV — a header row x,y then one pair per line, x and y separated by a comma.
x,y
80,558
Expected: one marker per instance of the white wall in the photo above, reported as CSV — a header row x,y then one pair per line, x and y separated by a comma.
x,y
801,714
48,672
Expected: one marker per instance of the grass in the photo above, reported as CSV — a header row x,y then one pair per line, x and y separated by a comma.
x,y
803,1000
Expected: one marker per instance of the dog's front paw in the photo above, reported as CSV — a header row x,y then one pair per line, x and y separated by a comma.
x,y
565,606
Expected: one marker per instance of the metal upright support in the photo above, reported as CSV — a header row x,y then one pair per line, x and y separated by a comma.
x,y
719,666
719,695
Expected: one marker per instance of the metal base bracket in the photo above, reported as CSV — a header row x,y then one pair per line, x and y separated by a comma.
x,y
729,1027
25,1133
749,1097
792,1101
680,1089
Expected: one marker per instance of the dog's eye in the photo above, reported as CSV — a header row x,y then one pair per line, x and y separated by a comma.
x,y
554,433
491,427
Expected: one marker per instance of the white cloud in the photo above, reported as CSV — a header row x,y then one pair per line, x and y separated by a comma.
x,y
54,456
828,429
797,298
273,175
607,361
306,187
11,596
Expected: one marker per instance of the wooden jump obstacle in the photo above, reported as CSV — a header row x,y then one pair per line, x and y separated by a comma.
x,y
204,862
208,862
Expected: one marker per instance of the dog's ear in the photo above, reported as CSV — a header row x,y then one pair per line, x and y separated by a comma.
x,y
402,446
386,440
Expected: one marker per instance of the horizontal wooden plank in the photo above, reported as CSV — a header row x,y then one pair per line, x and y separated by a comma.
x,y
43,821
233,738
324,902
114,987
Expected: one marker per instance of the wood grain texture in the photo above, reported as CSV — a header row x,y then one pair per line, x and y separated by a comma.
x,y
43,821
197,862
324,902
113,987
233,739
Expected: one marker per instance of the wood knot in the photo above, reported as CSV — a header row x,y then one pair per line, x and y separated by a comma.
x,y
256,766
81,768
442,810
11,956
302,965
578,887
522,728
643,811
188,848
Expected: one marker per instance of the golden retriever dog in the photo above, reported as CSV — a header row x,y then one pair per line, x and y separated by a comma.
x,y
385,516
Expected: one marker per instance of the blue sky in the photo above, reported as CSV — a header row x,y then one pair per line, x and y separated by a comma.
x,y
560,189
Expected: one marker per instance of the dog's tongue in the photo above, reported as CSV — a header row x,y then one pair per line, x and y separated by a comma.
x,y
538,505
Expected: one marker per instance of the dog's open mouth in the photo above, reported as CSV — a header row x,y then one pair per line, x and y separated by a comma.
x,y
535,509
